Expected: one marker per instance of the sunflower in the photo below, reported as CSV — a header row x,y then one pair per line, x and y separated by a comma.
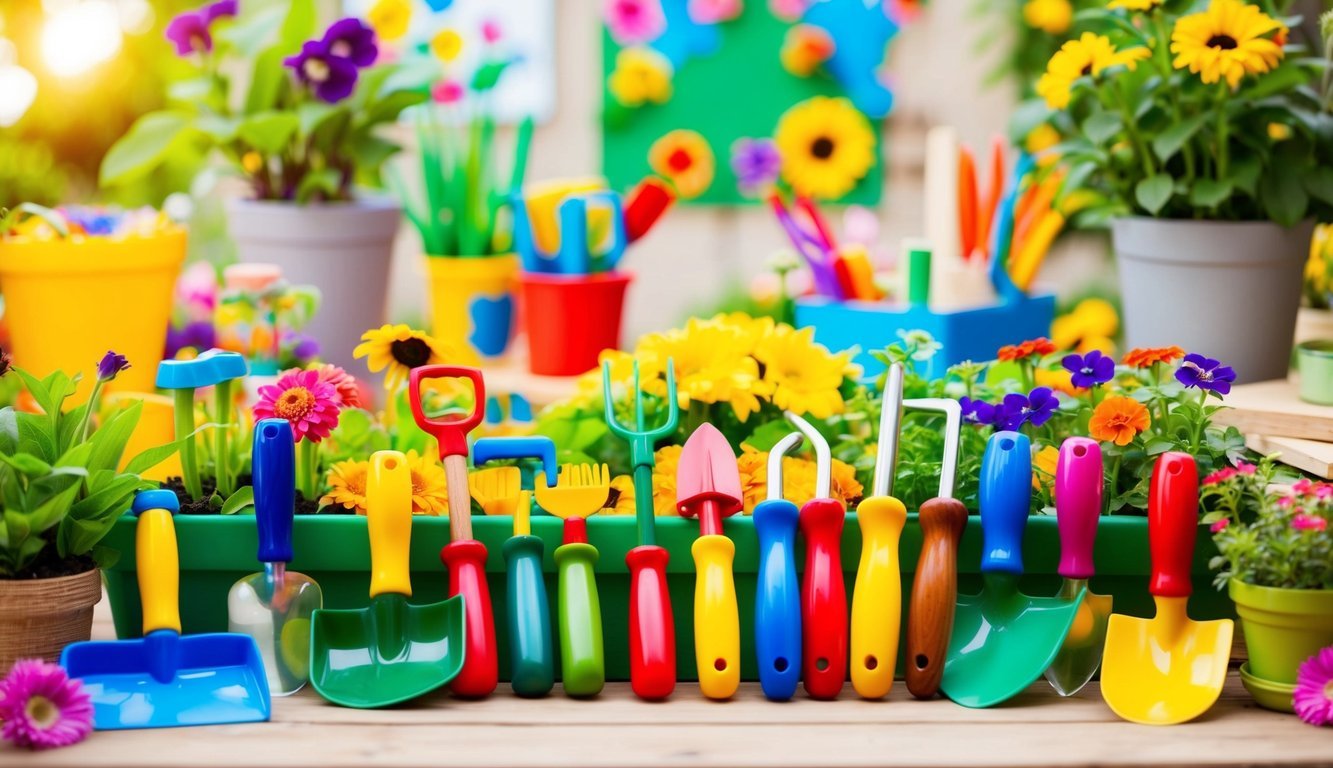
x,y
1091,54
683,158
399,349
800,375
1050,16
641,76
347,485
827,146
713,364
1229,40
430,489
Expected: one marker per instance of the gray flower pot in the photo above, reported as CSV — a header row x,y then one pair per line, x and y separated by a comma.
x,y
1227,290
344,249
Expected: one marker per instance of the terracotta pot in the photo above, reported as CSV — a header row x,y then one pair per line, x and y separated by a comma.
x,y
39,617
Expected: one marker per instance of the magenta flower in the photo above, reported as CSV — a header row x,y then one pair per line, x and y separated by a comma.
x,y
1302,487
491,31
1313,697
220,10
1090,370
756,163
332,77
1245,468
446,92
1219,525
310,404
111,364
189,32
1305,522
1205,373
1220,476
41,707
632,22
351,39
713,11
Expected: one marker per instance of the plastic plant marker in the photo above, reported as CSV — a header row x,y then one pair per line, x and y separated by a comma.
x,y
164,679
581,491
935,584
708,486
1168,669
464,556
877,598
274,606
390,651
777,600
652,630
823,593
525,449
1002,639
1078,505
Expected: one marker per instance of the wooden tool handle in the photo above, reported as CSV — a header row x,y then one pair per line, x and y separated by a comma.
x,y
934,595
460,499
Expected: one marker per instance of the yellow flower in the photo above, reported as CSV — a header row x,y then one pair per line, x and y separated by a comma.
x,y
1090,325
623,485
1321,249
446,45
683,158
667,461
642,75
713,364
400,349
800,375
1229,40
826,145
1134,5
389,18
798,479
1043,465
1279,131
1059,380
430,490
1091,54
347,485
1040,139
1050,16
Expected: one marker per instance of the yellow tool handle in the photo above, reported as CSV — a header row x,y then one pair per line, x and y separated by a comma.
x,y
877,597
523,514
158,562
717,626
389,518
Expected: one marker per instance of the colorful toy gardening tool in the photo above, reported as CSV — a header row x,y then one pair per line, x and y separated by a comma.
x,y
496,489
579,247
528,613
391,651
275,605
823,593
164,679
1078,505
708,486
877,598
777,603
935,584
213,368
1003,639
645,205
1167,669
524,449
580,493
652,631
464,556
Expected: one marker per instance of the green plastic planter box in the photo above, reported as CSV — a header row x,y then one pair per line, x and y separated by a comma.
x,y
335,551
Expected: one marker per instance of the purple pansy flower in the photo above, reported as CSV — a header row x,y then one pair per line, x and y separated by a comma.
x,y
303,347
220,9
978,411
1035,408
199,334
332,77
189,31
1205,373
1089,370
351,39
111,364
756,163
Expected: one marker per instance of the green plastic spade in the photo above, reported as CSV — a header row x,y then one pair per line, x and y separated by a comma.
x,y
1003,640
391,651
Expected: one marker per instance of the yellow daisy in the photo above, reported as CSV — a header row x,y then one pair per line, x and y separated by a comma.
x,y
826,145
800,375
446,45
1229,40
1050,16
713,364
683,158
347,485
623,493
399,349
390,18
1091,54
430,489
667,461
1134,5
641,76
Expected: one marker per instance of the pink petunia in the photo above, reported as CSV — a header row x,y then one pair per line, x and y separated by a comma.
x,y
1313,697
310,405
446,92
633,22
1245,468
1304,522
491,31
1219,525
41,707
1220,476
1303,487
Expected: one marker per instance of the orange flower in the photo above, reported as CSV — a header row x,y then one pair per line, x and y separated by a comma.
x,y
1145,357
1118,419
1039,347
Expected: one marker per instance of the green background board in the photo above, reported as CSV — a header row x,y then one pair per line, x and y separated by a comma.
x,y
739,91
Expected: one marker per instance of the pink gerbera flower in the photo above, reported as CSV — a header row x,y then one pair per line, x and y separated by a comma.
x,y
1313,697
1303,522
40,707
310,405
343,382
1219,525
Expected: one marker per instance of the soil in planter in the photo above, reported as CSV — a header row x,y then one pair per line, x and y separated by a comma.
x,y
201,506
50,565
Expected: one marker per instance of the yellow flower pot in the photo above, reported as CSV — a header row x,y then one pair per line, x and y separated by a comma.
x,y
69,301
156,427
472,304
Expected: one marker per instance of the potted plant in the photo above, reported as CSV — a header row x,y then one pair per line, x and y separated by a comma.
x,y
79,281
61,489
1204,134
1276,562
303,129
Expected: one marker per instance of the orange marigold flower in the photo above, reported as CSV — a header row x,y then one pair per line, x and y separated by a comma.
x,y
1039,347
1118,419
1145,357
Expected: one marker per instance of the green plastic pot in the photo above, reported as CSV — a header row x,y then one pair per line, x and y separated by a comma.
x,y
334,550
1283,628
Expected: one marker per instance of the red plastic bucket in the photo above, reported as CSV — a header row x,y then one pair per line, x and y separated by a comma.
x,y
570,319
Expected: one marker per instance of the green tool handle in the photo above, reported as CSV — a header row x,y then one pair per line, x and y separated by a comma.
x,y
582,663
532,661
643,504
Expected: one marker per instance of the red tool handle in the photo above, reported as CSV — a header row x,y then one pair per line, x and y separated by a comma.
x,y
652,631
1173,516
649,200
823,600
466,561
451,434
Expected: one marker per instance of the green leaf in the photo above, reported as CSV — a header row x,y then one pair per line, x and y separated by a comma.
x,y
26,464
1245,174
1153,192
253,32
110,439
143,147
1209,193
1319,183
151,457
298,26
1283,196
388,108
217,128
1102,127
269,132
265,81
243,498
313,114
321,183
1169,142
488,74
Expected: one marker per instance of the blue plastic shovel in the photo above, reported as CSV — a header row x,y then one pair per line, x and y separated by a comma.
x,y
164,679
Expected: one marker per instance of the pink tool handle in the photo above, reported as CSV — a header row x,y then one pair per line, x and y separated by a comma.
x,y
1173,517
1078,504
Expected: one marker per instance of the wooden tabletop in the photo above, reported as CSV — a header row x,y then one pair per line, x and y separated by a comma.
x,y
1037,728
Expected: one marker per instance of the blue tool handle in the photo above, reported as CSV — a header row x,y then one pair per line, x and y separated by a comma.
x,y
531,656
1004,497
777,605
490,448
274,478
573,257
